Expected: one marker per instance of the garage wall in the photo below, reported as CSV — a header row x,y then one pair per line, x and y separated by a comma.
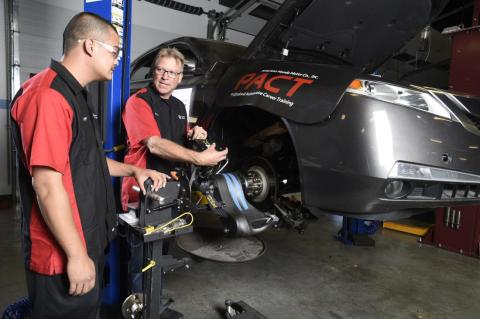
x,y
42,23
41,26
153,25
4,180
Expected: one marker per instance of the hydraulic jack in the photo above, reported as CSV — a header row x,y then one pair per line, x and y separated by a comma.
x,y
356,231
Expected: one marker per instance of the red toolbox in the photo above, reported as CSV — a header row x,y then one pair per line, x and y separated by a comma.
x,y
456,229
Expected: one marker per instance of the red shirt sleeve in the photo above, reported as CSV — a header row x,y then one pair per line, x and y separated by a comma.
x,y
139,121
45,121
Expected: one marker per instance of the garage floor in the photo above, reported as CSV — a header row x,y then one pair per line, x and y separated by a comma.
x,y
307,276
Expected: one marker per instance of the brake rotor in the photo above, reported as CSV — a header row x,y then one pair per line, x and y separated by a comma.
x,y
261,185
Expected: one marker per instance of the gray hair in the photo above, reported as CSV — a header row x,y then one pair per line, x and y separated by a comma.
x,y
171,53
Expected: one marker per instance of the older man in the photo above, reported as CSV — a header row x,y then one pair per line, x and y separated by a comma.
x,y
157,127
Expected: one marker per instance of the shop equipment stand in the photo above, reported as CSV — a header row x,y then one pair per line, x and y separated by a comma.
x,y
155,225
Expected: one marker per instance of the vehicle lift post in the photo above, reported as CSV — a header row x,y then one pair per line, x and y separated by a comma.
x,y
111,96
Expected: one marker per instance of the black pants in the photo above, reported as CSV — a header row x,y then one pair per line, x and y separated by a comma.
x,y
50,298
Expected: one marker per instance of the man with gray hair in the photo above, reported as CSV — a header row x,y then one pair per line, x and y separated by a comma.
x,y
157,127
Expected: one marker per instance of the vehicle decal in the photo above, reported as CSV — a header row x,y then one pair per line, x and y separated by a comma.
x,y
298,91
272,85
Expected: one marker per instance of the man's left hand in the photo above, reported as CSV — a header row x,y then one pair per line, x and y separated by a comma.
x,y
197,133
159,179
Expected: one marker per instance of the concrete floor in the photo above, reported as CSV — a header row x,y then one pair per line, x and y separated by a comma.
x,y
307,276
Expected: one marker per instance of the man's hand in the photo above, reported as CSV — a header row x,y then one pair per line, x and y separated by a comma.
x,y
211,156
81,274
159,179
197,133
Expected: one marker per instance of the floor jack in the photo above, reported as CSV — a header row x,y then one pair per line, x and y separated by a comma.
x,y
356,231
153,225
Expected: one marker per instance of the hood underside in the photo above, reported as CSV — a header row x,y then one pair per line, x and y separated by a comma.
x,y
360,33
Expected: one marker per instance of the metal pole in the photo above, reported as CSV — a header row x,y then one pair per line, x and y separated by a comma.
x,y
13,85
115,93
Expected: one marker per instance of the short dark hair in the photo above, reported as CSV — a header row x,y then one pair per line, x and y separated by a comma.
x,y
84,25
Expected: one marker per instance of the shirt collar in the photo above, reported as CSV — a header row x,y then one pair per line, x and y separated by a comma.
x,y
156,94
66,76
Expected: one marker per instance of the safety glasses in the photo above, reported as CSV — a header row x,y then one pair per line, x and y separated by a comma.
x,y
113,50
170,74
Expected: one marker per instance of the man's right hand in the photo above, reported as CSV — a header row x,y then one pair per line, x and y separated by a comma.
x,y
211,156
81,274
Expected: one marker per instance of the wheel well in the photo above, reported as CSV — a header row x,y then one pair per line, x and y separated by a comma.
x,y
251,132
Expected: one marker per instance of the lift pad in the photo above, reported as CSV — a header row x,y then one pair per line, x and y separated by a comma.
x,y
408,226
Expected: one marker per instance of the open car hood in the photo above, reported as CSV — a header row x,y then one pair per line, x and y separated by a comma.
x,y
359,33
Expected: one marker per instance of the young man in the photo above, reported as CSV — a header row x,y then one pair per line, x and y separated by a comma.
x,y
68,208
157,127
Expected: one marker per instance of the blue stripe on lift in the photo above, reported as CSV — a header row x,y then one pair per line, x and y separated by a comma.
x,y
231,190
239,189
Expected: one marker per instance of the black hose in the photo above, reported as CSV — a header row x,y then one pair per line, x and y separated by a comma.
x,y
175,5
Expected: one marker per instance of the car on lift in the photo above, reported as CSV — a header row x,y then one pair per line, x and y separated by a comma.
x,y
299,112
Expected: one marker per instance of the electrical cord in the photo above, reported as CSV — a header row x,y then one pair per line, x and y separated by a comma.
x,y
165,227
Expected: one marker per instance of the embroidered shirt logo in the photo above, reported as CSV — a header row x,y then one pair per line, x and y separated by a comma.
x,y
182,117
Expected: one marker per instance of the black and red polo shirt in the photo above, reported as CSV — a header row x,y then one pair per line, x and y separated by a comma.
x,y
146,114
54,126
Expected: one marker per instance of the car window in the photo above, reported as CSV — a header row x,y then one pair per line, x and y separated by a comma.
x,y
141,73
